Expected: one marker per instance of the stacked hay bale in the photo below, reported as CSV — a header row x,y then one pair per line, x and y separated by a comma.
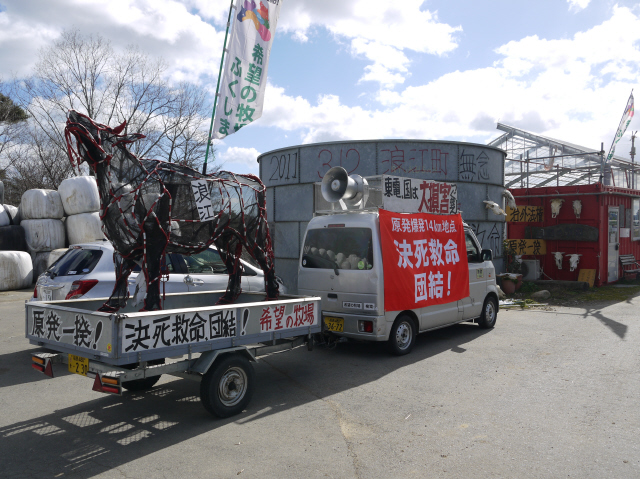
x,y
42,214
11,234
81,203
16,270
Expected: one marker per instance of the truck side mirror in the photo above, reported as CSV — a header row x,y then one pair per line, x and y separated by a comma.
x,y
487,255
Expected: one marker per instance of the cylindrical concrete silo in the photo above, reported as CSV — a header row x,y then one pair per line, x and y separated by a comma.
x,y
290,174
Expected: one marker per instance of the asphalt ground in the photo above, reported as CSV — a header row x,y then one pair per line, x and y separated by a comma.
x,y
545,394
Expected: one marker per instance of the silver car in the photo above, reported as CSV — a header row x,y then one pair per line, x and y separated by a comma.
x,y
87,271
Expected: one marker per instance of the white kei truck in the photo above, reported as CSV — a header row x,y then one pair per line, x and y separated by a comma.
x,y
214,345
341,261
340,291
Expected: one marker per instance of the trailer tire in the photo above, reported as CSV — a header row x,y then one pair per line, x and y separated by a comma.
x,y
144,384
489,313
227,386
402,336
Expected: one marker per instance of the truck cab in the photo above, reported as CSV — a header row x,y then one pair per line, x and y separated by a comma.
x,y
341,261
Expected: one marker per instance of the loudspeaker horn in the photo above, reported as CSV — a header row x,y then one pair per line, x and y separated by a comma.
x,y
338,185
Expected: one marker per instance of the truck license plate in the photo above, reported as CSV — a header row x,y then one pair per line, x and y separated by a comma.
x,y
334,324
78,365
46,294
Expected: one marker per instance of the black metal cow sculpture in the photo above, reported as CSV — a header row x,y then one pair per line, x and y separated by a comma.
x,y
150,208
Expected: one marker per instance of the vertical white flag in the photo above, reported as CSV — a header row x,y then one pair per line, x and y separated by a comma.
x,y
624,123
244,78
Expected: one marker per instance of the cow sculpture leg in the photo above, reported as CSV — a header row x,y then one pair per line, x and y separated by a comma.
x,y
266,264
118,298
260,249
230,253
155,245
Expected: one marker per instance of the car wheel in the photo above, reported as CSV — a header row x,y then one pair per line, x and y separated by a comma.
x,y
402,336
489,313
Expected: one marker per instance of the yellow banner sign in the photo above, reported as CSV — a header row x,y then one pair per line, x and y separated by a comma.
x,y
525,214
527,246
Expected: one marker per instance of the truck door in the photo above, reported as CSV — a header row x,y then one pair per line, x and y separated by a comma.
x,y
472,304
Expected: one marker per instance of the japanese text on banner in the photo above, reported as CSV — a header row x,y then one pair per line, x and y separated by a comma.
x,y
244,78
425,260
414,195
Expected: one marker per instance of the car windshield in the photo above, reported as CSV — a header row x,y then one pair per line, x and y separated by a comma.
x,y
76,261
205,262
338,248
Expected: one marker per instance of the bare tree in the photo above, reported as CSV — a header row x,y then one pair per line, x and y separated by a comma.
x,y
12,119
35,161
86,74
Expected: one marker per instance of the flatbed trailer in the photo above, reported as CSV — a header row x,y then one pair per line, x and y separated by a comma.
x,y
190,338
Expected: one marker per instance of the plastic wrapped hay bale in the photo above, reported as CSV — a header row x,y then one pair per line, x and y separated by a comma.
x,y
12,238
55,255
41,204
44,234
16,270
5,217
40,263
84,228
14,214
44,259
79,195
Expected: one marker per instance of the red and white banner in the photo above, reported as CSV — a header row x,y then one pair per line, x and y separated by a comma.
x,y
424,258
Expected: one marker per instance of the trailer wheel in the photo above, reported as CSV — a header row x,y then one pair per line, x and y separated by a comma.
x,y
489,313
402,336
227,386
142,384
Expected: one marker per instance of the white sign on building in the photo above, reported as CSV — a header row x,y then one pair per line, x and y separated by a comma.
x,y
414,195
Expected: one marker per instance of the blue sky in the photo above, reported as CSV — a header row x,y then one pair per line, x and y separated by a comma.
x,y
370,69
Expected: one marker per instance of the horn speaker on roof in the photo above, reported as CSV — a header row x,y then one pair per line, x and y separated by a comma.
x,y
337,185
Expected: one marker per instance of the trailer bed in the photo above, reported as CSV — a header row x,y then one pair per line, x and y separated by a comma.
x,y
190,323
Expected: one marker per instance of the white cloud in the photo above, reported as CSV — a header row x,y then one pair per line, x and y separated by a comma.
x,y
379,30
577,5
20,40
164,28
237,158
573,89
386,60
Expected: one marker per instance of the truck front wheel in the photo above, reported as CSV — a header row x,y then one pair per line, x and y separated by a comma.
x,y
227,386
489,313
402,336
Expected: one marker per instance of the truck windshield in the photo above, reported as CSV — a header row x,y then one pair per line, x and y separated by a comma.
x,y
338,248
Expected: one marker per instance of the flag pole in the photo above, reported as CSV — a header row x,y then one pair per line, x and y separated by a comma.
x,y
215,101
622,127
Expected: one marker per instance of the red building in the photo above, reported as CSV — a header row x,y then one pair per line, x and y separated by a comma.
x,y
564,207
598,222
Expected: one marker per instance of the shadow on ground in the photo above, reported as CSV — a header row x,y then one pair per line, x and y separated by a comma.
x,y
99,435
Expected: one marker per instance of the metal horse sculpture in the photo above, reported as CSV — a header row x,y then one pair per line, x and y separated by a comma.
x,y
150,208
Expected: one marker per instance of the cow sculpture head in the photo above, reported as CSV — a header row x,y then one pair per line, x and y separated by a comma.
x,y
92,144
